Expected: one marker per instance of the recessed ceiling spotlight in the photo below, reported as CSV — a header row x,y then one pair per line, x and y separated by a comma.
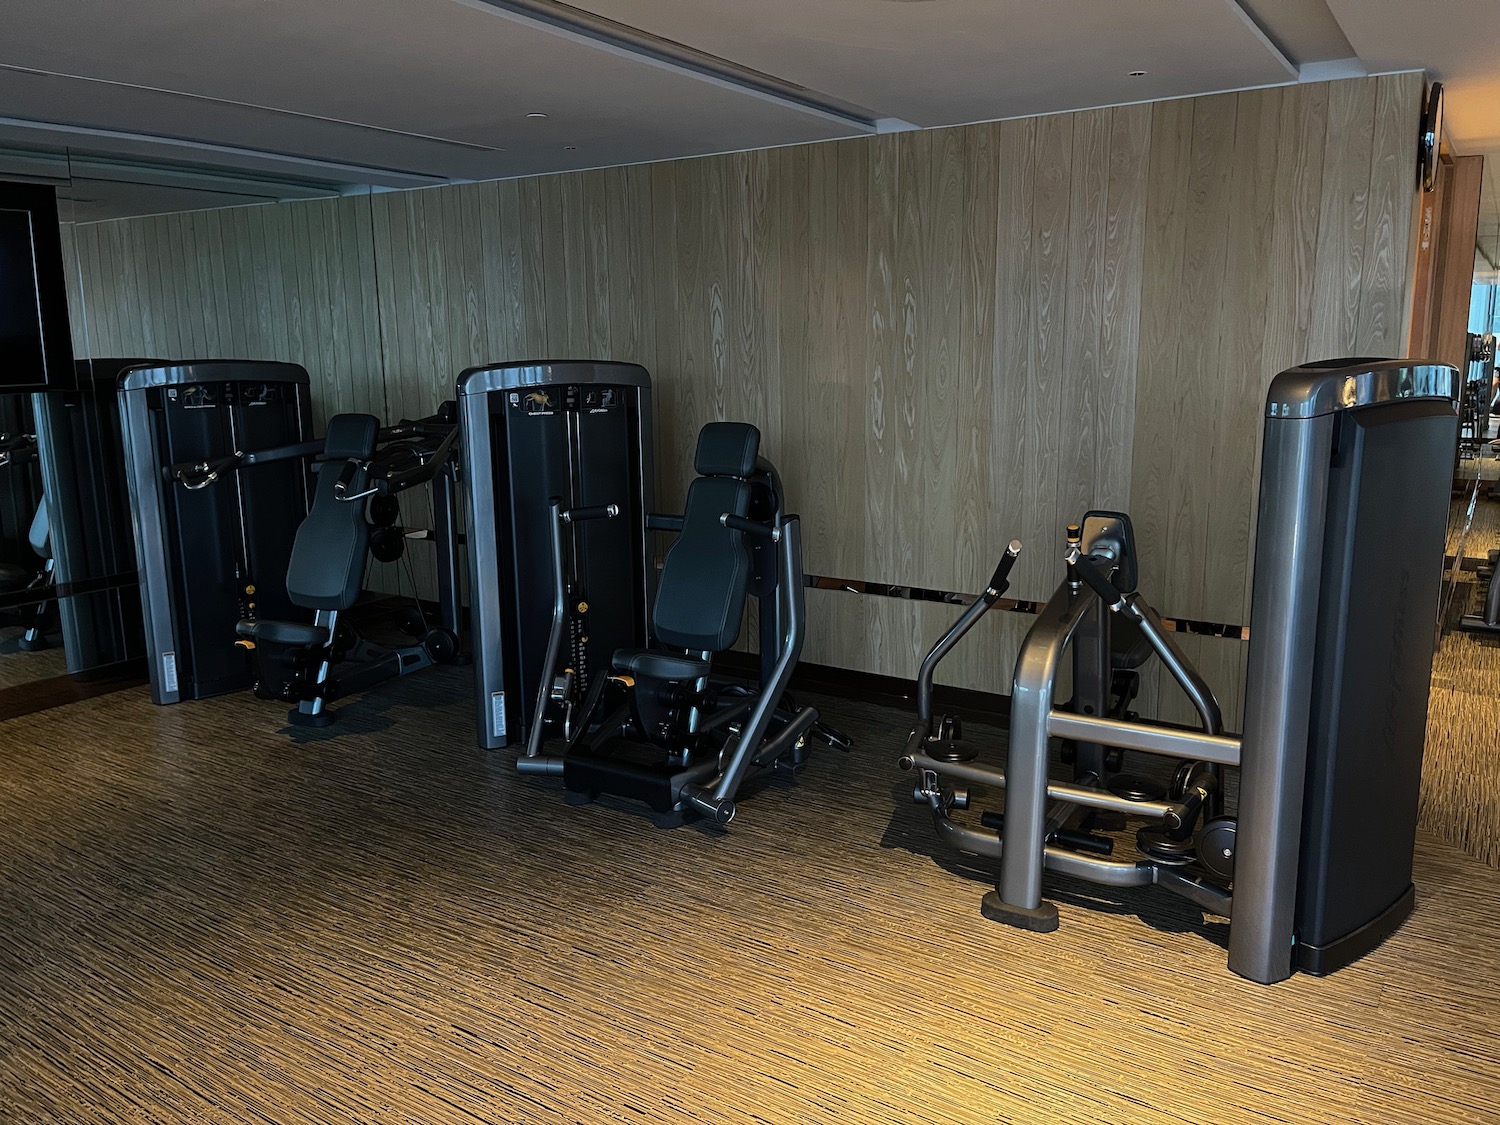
x,y
1136,74
536,116
570,148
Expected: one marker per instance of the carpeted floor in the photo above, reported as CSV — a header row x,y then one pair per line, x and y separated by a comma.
x,y
206,919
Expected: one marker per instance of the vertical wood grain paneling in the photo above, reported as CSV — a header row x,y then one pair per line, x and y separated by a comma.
x,y
979,543
1382,311
1201,351
1051,192
1338,282
949,338
1013,513
632,324
675,260
888,544
939,213
1240,378
799,454
1158,427
1087,224
1120,301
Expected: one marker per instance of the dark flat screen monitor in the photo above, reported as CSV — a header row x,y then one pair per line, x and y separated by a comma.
x,y
36,345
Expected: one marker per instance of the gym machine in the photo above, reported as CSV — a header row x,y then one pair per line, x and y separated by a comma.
x,y
82,461
580,432
1478,394
1355,472
656,725
361,473
209,557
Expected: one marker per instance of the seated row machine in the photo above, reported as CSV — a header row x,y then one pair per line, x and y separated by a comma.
x,y
1315,867
659,727
354,508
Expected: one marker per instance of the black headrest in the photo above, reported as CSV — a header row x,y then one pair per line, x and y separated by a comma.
x,y
727,449
351,435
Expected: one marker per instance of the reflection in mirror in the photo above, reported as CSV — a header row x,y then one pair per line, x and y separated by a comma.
x,y
35,353
168,264
28,629
1474,514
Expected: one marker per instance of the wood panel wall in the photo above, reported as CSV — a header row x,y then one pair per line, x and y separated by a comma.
x,y
949,338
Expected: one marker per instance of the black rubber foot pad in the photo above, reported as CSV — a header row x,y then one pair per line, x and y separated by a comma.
x,y
953,752
301,719
1041,920
574,797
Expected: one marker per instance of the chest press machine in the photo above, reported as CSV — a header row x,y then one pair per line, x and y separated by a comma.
x,y
659,727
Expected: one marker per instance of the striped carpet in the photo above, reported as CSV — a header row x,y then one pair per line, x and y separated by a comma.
x,y
204,919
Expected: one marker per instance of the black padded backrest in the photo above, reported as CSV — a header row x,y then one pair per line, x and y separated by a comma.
x,y
728,449
329,553
351,435
700,599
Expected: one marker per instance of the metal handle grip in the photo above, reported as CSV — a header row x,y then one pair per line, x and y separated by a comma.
x,y
750,527
198,482
1094,577
1000,580
346,475
593,512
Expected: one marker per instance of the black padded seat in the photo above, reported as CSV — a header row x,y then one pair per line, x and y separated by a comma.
x,y
645,664
284,632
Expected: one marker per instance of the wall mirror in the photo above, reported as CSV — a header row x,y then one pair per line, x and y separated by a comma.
x,y
1474,514
69,597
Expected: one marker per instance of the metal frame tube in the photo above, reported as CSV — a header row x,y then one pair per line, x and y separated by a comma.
x,y
443,523
327,619
554,638
941,649
1191,745
1074,795
1182,670
485,619
1026,774
149,520
792,616
1284,604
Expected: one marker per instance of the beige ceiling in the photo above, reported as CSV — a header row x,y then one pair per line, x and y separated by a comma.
x,y
285,98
